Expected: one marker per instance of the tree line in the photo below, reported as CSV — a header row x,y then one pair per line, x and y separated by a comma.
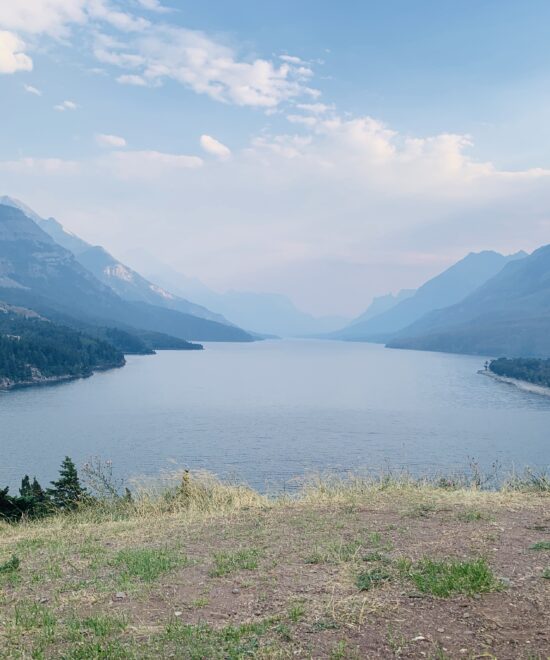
x,y
33,501
30,344
532,370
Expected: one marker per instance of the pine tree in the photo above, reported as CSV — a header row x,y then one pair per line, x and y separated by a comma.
x,y
26,490
67,491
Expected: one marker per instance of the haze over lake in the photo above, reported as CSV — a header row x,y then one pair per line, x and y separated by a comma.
x,y
270,411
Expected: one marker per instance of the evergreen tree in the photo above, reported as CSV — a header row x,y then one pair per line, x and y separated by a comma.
x,y
67,491
33,500
26,490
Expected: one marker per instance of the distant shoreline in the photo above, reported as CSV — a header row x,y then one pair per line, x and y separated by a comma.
x,y
8,385
523,385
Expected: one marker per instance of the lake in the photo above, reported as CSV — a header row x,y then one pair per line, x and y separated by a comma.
x,y
269,411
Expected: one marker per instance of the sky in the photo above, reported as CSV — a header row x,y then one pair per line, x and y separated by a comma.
x,y
327,151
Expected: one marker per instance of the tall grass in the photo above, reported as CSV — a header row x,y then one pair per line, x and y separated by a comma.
x,y
200,495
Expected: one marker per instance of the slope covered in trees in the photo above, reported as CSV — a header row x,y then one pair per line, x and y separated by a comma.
x,y
33,350
527,369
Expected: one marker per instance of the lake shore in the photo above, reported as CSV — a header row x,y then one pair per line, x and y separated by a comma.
x,y
523,385
345,569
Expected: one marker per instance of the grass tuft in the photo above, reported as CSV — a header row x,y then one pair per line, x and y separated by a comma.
x,y
226,563
540,545
445,578
366,580
148,564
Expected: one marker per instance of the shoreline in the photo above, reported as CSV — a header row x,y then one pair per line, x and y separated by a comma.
x,y
9,386
523,385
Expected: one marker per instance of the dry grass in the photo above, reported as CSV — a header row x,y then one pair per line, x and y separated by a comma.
x,y
195,568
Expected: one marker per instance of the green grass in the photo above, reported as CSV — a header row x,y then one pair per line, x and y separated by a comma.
x,y
203,641
366,580
472,516
226,563
546,573
540,545
148,564
445,578
296,612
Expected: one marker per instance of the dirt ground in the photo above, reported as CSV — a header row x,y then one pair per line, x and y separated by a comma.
x,y
285,582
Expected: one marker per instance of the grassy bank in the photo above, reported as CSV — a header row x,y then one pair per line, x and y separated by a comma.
x,y
354,568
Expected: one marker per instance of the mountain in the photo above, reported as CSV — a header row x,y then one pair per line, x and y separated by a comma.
x,y
446,289
124,281
508,315
38,273
381,304
263,313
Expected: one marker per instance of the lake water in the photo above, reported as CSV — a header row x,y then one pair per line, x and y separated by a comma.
x,y
269,411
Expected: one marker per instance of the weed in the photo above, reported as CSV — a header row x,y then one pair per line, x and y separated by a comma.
x,y
296,612
444,578
472,516
540,545
11,565
366,580
148,564
229,562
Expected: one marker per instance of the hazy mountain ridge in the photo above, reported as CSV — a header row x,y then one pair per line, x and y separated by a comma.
x,y
509,315
124,281
447,288
264,313
36,271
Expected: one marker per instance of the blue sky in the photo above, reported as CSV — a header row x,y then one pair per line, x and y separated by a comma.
x,y
328,151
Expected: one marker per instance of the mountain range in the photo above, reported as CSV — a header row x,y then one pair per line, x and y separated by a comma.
x,y
263,313
446,289
508,315
39,273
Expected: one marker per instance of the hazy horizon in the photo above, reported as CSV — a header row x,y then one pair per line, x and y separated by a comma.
x,y
327,155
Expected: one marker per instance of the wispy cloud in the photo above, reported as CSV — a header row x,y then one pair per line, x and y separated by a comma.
x,y
105,140
215,147
32,90
206,66
66,105
132,79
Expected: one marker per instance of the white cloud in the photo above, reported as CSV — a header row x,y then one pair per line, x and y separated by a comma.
x,y
130,79
55,17
12,57
154,5
315,108
66,105
153,52
105,140
207,67
150,164
215,147
292,59
40,166
32,90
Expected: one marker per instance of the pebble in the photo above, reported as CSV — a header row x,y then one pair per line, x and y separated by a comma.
x,y
235,591
120,595
178,613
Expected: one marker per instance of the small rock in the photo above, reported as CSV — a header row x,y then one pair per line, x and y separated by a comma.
x,y
44,599
120,595
441,630
466,615
235,591
418,638
506,582
178,613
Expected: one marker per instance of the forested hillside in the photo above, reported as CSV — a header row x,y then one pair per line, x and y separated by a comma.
x,y
33,350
